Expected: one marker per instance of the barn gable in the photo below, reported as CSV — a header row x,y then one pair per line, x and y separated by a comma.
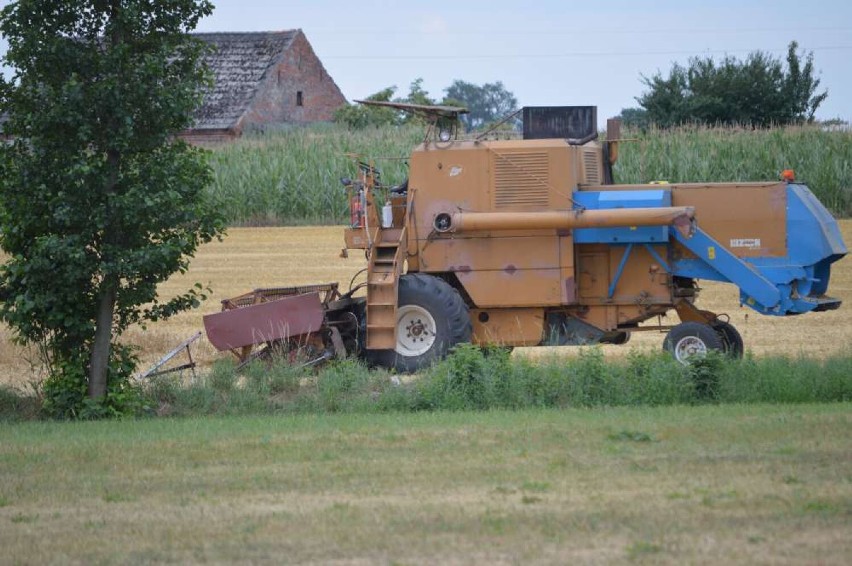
x,y
262,79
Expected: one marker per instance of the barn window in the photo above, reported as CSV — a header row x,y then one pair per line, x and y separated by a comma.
x,y
299,98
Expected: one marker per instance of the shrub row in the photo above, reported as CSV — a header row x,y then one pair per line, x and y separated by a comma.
x,y
476,379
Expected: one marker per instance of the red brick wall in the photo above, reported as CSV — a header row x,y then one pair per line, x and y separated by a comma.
x,y
299,70
208,137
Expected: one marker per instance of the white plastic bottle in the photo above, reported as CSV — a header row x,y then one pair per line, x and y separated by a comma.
x,y
387,215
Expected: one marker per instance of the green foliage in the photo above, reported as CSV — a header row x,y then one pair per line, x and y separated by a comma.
x,y
757,91
486,103
341,383
471,378
635,118
417,94
359,116
783,380
100,203
64,392
293,176
705,372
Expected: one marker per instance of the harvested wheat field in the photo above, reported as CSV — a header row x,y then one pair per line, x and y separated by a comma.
x,y
251,258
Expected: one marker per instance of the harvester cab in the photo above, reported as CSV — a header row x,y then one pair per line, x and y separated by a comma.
x,y
526,241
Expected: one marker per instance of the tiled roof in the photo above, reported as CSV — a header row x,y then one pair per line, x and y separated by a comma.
x,y
239,63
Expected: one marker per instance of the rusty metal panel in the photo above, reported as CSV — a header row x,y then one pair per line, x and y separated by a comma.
x,y
643,280
519,288
355,238
592,271
508,327
566,268
265,322
491,254
604,317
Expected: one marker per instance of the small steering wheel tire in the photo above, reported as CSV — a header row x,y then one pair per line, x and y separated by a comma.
x,y
692,339
733,342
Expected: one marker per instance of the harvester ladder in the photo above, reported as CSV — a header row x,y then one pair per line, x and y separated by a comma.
x,y
384,271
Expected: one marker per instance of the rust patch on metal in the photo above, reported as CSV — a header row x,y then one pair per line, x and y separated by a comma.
x,y
265,322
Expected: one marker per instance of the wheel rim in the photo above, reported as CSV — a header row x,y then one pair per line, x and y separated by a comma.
x,y
415,330
689,346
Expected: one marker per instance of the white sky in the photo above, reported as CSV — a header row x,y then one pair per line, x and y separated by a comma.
x,y
549,52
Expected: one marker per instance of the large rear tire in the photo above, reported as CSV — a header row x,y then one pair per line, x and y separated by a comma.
x,y
431,318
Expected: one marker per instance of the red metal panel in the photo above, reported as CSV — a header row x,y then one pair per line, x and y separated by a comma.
x,y
264,322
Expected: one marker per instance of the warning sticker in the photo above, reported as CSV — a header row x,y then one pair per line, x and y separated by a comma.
x,y
745,243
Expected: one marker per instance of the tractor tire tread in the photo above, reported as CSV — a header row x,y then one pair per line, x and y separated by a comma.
x,y
449,304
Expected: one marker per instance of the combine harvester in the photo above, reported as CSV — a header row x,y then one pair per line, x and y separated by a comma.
x,y
527,242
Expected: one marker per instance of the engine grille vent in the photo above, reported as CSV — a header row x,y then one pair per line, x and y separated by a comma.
x,y
521,180
590,167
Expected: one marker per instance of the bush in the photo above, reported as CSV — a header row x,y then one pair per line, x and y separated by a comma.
x,y
64,390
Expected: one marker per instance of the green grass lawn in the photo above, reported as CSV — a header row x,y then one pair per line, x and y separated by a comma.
x,y
713,484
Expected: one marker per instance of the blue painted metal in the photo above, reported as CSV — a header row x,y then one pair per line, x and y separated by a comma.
x,y
620,270
793,284
599,200
729,266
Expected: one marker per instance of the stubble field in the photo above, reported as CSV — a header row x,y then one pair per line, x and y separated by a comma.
x,y
251,258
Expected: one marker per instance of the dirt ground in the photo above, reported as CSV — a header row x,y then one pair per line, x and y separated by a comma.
x,y
251,258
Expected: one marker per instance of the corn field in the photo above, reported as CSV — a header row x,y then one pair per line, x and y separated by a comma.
x,y
821,159
292,176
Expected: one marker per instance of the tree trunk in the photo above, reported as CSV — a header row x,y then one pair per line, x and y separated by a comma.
x,y
99,361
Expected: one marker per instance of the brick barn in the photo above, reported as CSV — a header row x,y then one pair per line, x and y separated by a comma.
x,y
262,79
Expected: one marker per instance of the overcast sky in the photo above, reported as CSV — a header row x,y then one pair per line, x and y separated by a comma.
x,y
549,52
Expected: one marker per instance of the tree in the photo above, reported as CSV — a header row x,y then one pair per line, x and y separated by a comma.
x,y
417,94
634,118
358,116
100,202
757,91
486,103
